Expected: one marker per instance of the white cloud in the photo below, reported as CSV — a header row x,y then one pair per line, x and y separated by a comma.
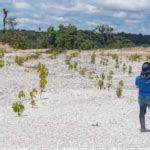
x,y
28,21
119,14
132,22
129,5
23,20
58,18
21,5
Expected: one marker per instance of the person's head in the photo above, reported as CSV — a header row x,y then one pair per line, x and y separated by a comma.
x,y
145,69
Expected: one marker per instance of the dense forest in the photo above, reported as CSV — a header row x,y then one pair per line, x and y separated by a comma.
x,y
66,37
69,37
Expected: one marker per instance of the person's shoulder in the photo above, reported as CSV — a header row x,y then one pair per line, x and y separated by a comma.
x,y
137,81
138,78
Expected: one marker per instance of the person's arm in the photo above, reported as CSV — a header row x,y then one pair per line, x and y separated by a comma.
x,y
136,82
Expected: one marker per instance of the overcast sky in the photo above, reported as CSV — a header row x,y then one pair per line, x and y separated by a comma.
x,y
123,15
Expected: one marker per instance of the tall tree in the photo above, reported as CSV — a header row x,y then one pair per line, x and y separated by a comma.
x,y
50,36
61,36
105,31
39,29
71,36
4,19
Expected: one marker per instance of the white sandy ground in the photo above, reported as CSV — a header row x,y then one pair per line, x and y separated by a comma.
x,y
66,116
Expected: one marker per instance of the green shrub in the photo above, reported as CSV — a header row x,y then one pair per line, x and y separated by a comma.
x,y
42,70
121,83
70,66
102,76
114,56
43,73
135,57
74,54
90,77
109,77
93,58
2,53
18,107
19,60
2,64
43,83
119,92
32,97
130,70
111,73
100,84
21,94
75,65
124,67
54,53
82,71
67,60
148,57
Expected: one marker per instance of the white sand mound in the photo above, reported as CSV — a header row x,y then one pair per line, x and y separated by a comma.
x,y
73,113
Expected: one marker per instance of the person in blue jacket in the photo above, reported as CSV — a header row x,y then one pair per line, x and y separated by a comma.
x,y
143,83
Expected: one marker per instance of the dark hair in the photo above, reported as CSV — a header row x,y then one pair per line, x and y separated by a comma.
x,y
145,69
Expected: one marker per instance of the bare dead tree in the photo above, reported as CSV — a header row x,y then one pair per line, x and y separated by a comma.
x,y
12,23
39,29
4,19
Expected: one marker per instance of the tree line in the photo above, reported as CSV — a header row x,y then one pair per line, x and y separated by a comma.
x,y
67,37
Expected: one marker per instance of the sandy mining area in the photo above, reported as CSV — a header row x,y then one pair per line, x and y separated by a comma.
x,y
73,113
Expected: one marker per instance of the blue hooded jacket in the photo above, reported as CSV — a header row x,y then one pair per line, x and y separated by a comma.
x,y
143,83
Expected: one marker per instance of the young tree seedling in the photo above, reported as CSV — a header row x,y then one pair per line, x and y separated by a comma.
x,y
82,71
90,77
18,108
130,70
21,95
124,67
119,92
102,76
43,73
111,73
93,58
121,83
100,84
32,97
75,65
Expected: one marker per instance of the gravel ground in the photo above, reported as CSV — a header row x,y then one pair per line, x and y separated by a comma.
x,y
73,113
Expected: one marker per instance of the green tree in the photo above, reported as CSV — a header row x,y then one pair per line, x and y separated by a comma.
x,y
61,35
18,107
50,36
22,42
32,97
71,33
105,31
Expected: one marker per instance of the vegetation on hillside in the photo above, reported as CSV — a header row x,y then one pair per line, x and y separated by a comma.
x,y
66,37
